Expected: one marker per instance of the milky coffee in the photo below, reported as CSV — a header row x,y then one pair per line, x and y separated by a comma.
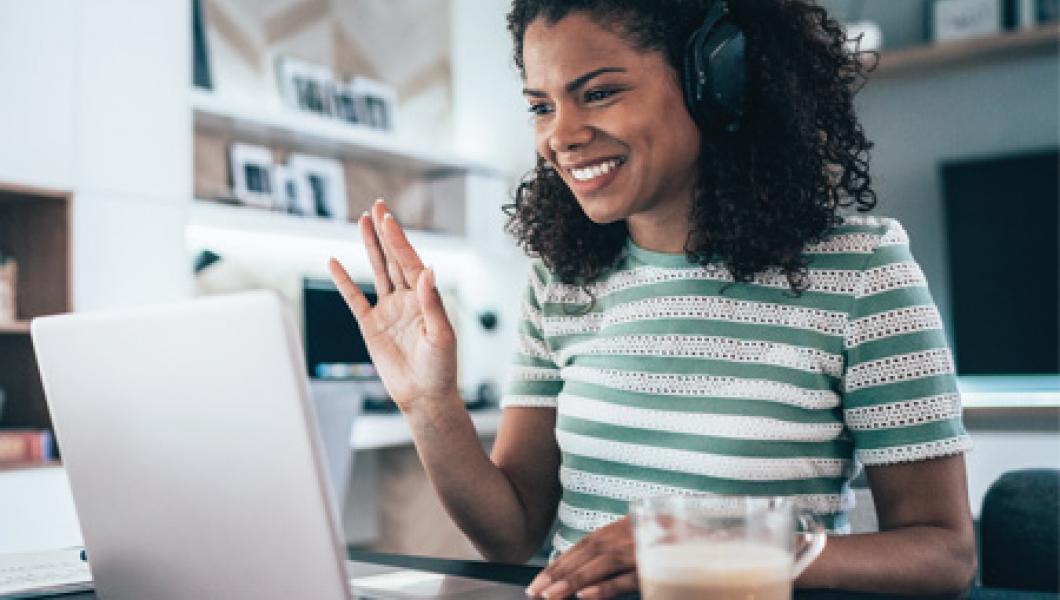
x,y
714,571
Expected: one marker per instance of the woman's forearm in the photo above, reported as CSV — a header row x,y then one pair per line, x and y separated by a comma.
x,y
920,560
477,494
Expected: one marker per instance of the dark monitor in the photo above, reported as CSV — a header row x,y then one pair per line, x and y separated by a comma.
x,y
1001,219
333,343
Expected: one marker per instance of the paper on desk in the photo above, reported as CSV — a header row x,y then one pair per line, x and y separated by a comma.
x,y
418,584
31,574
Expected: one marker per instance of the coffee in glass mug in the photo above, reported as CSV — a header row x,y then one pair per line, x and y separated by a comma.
x,y
722,547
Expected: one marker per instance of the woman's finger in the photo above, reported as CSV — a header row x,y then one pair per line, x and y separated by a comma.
x,y
568,562
352,294
383,285
597,569
379,213
434,320
609,588
401,249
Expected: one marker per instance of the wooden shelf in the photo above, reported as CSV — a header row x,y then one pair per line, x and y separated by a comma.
x,y
18,327
1041,40
21,466
35,229
314,134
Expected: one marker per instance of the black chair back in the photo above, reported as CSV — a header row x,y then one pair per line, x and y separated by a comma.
x,y
1018,531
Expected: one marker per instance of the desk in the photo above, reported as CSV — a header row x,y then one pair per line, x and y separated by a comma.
x,y
521,575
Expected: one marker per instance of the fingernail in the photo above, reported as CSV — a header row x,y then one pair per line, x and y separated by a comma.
x,y
378,200
556,590
388,216
539,582
529,592
364,214
589,592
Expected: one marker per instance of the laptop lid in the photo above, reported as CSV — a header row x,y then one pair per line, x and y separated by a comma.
x,y
191,447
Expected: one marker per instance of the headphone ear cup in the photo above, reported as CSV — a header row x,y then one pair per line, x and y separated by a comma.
x,y
695,76
728,75
715,72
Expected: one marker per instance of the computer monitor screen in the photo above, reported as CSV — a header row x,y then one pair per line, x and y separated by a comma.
x,y
1001,219
333,342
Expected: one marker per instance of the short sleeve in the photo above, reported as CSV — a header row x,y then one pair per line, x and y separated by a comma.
x,y
534,379
900,401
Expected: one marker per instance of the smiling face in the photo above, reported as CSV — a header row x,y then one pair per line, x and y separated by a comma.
x,y
612,121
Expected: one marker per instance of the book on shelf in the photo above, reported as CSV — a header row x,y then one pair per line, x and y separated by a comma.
x,y
26,446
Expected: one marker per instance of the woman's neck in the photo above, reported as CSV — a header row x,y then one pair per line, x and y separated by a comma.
x,y
664,229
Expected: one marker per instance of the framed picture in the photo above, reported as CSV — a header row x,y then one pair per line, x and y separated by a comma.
x,y
304,85
8,287
252,174
346,104
324,183
961,19
863,36
376,102
289,194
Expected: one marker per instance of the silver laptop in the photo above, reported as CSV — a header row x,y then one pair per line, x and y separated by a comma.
x,y
194,458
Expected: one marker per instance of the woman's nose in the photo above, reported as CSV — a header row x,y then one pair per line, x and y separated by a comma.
x,y
569,131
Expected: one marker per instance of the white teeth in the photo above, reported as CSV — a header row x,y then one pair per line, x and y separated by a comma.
x,y
596,170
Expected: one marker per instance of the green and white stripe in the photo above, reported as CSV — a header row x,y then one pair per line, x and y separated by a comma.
x,y
678,381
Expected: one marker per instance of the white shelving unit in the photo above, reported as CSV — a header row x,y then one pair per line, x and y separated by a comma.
x,y
372,432
208,215
318,135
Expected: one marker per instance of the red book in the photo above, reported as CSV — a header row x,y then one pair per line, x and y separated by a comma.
x,y
25,446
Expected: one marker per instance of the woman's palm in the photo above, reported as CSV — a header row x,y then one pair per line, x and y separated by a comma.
x,y
407,333
410,364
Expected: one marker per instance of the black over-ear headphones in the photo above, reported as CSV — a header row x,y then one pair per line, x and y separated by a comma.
x,y
715,73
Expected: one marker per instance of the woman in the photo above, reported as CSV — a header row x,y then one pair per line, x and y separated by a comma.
x,y
699,317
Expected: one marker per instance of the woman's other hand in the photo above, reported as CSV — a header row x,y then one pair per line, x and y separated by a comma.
x,y
408,335
603,564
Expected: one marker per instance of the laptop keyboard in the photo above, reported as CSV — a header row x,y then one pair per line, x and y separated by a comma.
x,y
43,573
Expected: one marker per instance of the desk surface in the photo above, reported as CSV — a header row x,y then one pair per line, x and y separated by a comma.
x,y
522,574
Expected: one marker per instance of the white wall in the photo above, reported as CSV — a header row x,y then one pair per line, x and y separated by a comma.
x,y
919,120
491,124
95,103
37,65
997,452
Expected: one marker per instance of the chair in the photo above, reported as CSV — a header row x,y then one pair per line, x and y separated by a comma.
x,y
1018,531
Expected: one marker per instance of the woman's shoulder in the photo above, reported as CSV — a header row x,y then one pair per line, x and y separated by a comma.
x,y
861,235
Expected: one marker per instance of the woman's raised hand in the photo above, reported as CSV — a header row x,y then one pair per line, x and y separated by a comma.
x,y
407,333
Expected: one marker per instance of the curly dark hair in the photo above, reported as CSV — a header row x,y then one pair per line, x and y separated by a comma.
x,y
766,191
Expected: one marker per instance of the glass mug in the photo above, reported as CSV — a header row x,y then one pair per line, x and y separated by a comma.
x,y
722,547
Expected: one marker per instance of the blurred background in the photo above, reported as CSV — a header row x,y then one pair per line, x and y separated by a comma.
x,y
157,151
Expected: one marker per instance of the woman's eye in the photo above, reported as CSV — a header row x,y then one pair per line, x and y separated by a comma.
x,y
598,95
538,110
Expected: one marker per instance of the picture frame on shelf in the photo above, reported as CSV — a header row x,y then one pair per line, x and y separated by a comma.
x,y
863,36
305,86
376,101
252,174
346,104
963,19
8,289
323,181
289,192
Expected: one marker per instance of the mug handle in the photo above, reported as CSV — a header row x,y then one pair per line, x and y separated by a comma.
x,y
812,540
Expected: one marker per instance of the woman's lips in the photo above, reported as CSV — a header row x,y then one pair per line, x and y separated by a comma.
x,y
597,179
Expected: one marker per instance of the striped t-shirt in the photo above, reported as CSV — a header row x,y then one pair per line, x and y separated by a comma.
x,y
678,380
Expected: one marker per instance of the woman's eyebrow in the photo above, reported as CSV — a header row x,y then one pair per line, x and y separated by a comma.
x,y
576,83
